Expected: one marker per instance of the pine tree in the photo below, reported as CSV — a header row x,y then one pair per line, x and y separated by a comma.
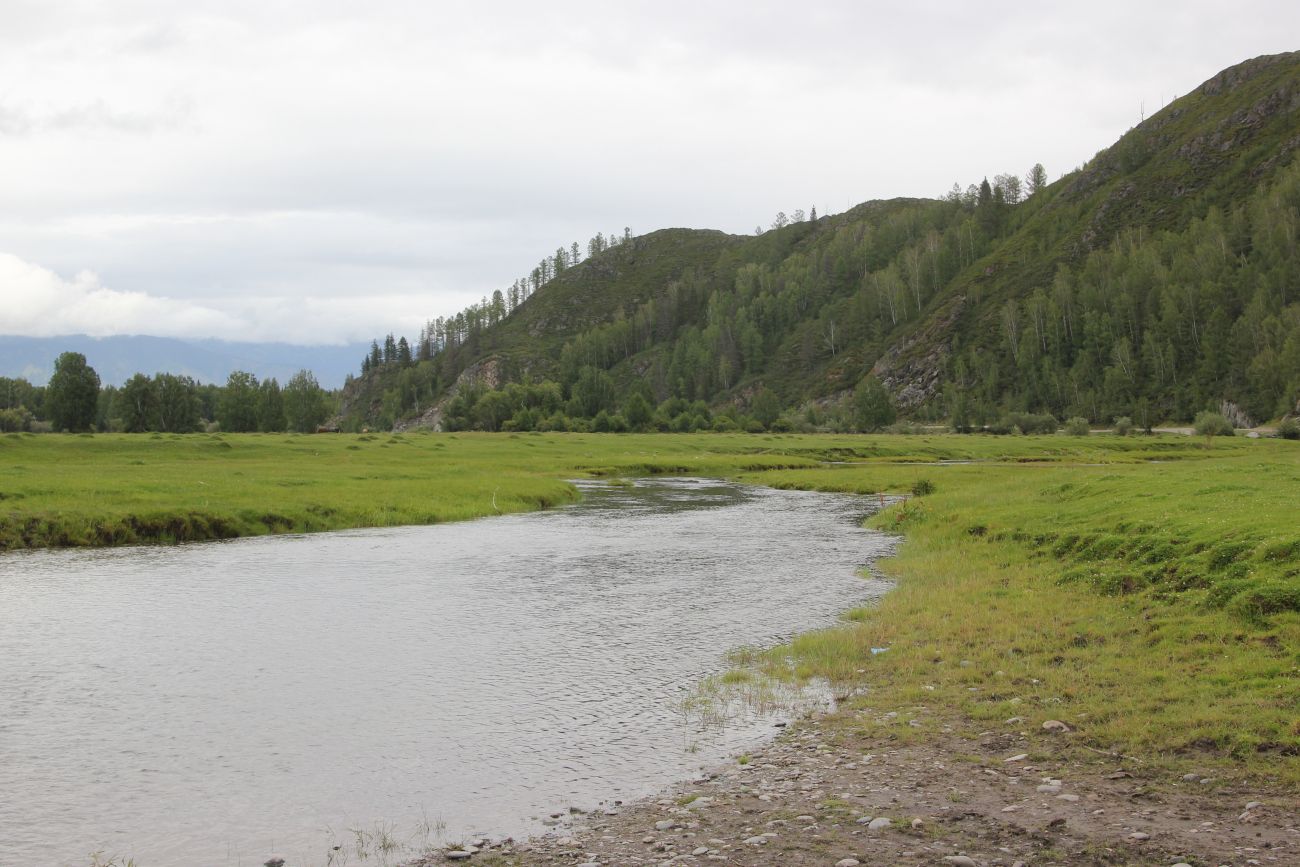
x,y
1037,178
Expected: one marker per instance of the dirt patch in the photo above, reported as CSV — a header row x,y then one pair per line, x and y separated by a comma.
x,y
994,797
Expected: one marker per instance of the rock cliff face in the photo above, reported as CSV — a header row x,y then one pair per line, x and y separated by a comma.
x,y
486,373
913,369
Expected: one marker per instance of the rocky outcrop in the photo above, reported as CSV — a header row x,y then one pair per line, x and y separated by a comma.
x,y
913,368
486,373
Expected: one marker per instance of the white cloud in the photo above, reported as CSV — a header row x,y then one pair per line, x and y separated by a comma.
x,y
41,303
226,161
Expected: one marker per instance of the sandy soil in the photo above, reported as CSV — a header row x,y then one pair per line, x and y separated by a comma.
x,y
1002,797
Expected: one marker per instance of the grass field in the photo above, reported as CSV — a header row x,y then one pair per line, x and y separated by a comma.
x,y
73,490
1146,591
1154,608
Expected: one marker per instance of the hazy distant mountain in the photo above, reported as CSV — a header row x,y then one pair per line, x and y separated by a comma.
x,y
116,359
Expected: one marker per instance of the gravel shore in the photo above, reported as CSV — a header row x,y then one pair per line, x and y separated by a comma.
x,y
844,789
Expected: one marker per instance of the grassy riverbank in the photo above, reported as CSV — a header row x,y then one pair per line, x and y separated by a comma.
x,y
83,490
1153,608
1142,590
66,490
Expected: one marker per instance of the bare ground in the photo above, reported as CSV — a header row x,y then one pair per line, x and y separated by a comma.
x,y
1005,797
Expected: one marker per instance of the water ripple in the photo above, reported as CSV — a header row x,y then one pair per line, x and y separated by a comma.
x,y
213,703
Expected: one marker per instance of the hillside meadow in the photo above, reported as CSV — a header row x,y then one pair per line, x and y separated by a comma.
x,y
1143,590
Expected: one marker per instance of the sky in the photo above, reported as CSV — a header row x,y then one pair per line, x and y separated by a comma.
x,y
320,172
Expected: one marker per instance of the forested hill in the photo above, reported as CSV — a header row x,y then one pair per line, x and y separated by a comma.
x,y
1160,279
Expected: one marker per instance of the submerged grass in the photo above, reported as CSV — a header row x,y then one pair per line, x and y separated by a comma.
x,y
1144,590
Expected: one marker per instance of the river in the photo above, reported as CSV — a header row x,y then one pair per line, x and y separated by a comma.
x,y
215,703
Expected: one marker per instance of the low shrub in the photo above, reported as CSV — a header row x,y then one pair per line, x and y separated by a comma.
x,y
921,487
1033,423
1212,424
1076,427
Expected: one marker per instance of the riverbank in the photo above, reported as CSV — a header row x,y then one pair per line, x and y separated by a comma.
x,y
1142,592
101,490
1149,586
1154,608
1127,628
829,792
64,490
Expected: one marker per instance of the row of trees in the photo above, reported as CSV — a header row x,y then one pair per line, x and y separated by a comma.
x,y
782,220
1005,189
593,402
75,401
400,378
455,331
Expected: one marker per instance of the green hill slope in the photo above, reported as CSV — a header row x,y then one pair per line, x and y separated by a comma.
x,y
1158,280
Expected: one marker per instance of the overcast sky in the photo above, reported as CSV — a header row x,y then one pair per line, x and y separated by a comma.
x,y
324,171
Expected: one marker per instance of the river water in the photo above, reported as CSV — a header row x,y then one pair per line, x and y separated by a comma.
x,y
219,702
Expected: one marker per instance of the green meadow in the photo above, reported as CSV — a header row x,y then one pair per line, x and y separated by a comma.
x,y
1152,607
1143,590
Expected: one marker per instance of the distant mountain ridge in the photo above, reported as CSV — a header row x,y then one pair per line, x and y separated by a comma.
x,y
117,358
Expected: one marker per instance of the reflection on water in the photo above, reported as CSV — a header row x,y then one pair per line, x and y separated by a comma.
x,y
215,703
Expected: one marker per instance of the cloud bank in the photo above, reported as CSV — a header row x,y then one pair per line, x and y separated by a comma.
x,y
40,303
326,172
43,304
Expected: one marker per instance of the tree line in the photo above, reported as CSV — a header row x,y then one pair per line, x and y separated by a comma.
x,y
1148,327
705,334
595,404
74,400
405,376
451,332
